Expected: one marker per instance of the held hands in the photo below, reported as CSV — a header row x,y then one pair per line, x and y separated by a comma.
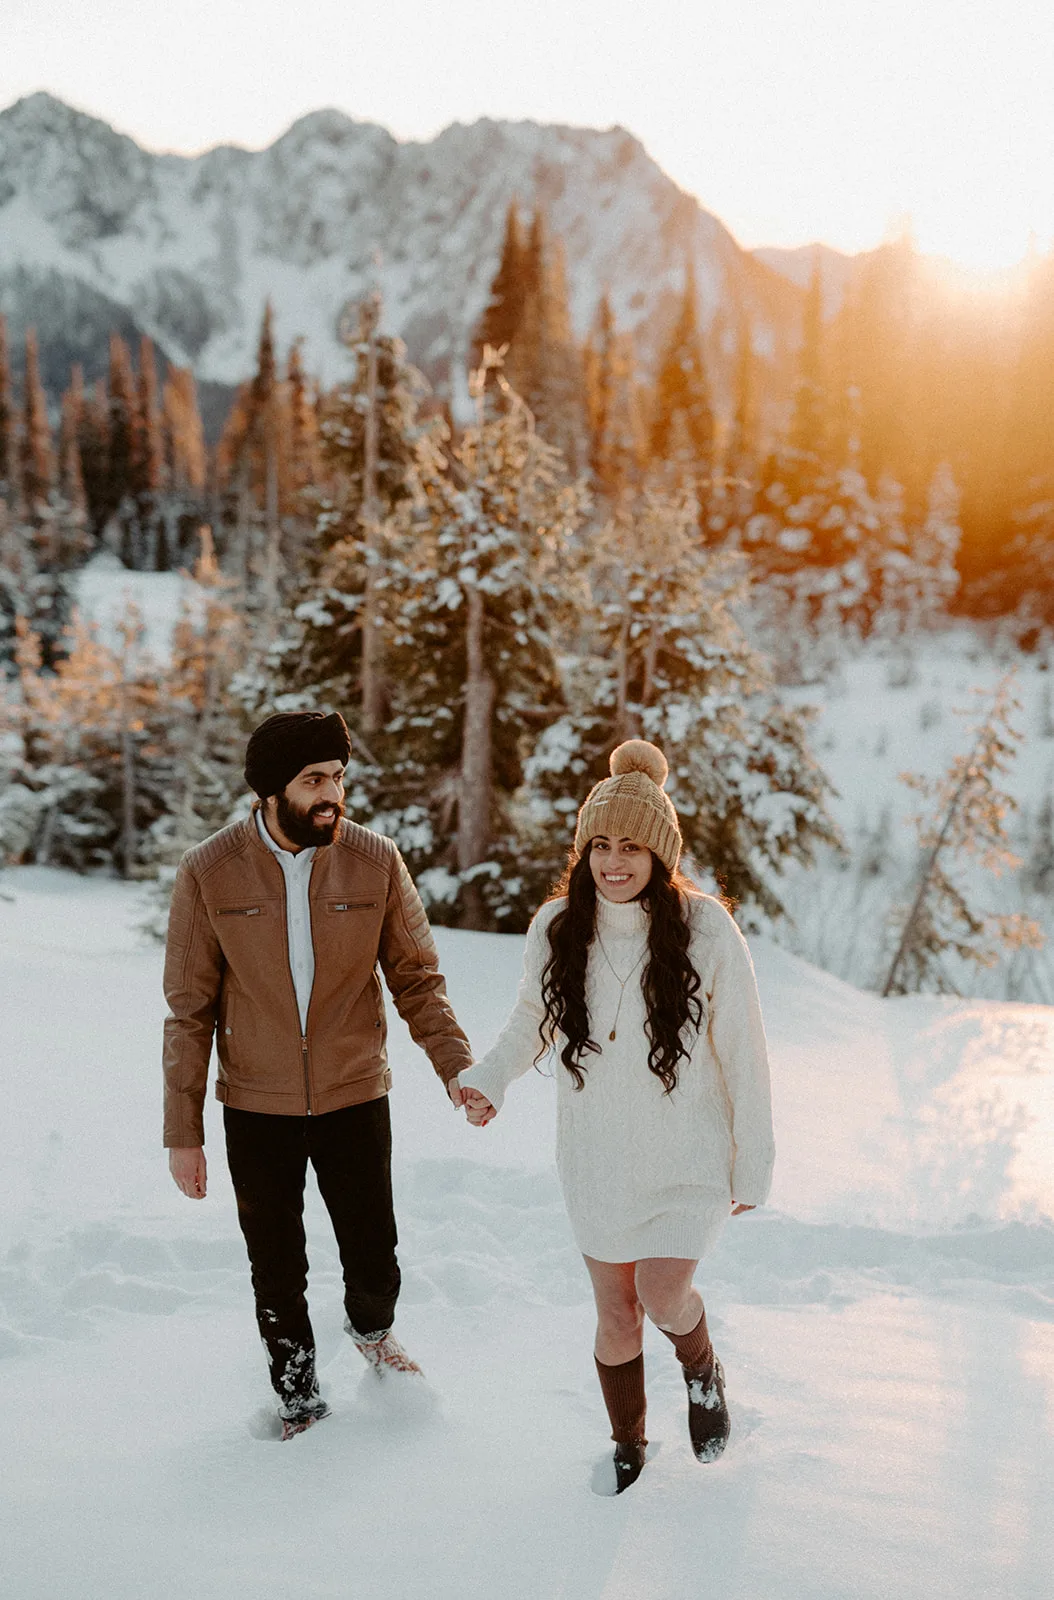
x,y
187,1167
477,1107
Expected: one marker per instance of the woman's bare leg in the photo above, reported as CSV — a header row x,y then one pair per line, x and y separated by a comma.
x,y
664,1288
620,1315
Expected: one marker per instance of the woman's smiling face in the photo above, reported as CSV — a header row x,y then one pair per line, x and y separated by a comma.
x,y
621,868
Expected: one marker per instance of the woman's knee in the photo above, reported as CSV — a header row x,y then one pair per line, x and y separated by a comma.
x,y
619,1314
664,1296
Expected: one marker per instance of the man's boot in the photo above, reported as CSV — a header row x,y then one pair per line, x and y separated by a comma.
x,y
303,1419
383,1352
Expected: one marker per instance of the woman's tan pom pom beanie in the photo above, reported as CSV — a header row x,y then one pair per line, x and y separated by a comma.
x,y
632,804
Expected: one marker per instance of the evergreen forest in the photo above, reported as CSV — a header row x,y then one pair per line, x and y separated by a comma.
x,y
593,549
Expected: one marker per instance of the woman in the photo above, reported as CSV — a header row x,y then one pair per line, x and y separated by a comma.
x,y
645,989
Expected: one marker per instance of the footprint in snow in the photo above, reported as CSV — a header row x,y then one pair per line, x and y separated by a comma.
x,y
265,1425
745,1421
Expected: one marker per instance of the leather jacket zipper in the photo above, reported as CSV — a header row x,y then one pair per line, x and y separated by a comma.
x,y
307,1089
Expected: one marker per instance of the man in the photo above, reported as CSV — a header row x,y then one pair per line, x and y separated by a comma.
x,y
277,927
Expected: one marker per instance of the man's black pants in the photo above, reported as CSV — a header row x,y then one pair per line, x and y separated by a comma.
x,y
351,1153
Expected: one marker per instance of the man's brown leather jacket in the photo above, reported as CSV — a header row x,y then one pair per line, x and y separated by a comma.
x,y
227,973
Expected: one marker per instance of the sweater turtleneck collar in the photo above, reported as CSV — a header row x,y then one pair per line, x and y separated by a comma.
x,y
627,918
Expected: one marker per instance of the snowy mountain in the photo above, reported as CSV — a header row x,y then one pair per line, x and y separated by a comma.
x,y
97,232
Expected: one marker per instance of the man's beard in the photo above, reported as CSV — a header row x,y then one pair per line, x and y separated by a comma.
x,y
299,825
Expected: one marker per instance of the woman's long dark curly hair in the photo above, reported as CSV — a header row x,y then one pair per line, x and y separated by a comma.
x,y
669,981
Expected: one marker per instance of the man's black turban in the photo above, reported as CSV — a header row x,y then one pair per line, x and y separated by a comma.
x,y
290,741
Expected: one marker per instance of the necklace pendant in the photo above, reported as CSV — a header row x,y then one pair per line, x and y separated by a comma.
x,y
611,1035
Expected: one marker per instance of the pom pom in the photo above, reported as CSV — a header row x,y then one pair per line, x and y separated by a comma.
x,y
637,755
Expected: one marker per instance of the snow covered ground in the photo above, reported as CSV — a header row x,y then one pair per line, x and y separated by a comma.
x,y
887,1325
105,592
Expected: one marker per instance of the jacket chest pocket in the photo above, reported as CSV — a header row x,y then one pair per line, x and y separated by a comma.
x,y
336,906
245,928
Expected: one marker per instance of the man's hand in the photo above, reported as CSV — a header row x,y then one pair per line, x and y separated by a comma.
x,y
478,1108
187,1166
737,1211
455,1091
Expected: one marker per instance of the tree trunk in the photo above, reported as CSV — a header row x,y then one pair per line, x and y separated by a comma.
x,y
128,831
129,550
197,744
371,638
273,547
474,801
163,541
623,729
651,656
42,854
243,532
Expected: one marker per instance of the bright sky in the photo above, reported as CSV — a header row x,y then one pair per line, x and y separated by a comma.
x,y
793,120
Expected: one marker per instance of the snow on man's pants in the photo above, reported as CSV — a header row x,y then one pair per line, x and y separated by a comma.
x,y
350,1151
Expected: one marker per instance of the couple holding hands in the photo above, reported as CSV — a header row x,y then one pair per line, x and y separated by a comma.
x,y
638,987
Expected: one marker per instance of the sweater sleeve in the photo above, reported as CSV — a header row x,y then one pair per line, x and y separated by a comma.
x,y
516,1048
738,1038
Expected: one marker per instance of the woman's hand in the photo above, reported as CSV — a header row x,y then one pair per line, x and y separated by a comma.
x,y
737,1211
478,1108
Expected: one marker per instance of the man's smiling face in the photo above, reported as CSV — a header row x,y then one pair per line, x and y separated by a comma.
x,y
309,810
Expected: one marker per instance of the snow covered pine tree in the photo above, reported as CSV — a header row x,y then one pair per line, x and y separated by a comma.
x,y
484,588
669,662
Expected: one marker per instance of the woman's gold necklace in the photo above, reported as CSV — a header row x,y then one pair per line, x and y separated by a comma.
x,y
622,982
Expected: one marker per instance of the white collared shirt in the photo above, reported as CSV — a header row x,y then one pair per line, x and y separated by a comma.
x,y
297,872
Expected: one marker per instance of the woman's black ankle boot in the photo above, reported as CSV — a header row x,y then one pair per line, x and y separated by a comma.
x,y
629,1463
708,1421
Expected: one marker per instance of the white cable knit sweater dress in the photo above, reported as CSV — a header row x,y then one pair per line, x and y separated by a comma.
x,y
647,1174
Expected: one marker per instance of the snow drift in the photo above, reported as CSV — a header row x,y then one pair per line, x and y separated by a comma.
x,y
887,1325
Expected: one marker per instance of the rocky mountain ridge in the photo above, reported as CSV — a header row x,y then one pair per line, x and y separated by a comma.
x,y
96,232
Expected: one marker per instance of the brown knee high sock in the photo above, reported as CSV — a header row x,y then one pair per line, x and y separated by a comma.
x,y
623,1390
694,1350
